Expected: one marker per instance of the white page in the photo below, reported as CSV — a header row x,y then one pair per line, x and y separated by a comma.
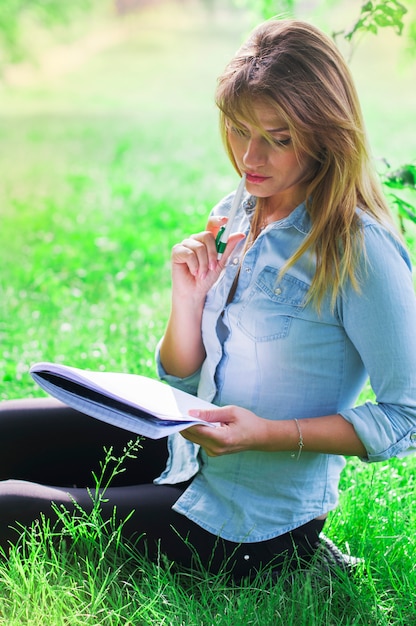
x,y
133,390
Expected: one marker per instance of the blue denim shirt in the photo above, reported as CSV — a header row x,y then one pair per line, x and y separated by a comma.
x,y
271,353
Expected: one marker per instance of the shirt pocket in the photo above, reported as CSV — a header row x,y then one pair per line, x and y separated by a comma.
x,y
267,312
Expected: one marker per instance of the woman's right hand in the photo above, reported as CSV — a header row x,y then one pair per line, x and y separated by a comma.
x,y
195,266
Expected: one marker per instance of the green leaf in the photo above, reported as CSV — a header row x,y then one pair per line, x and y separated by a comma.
x,y
405,209
403,177
384,14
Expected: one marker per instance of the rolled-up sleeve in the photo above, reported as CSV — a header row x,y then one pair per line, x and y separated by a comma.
x,y
380,320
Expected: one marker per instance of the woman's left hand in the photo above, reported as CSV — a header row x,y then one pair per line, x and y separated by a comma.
x,y
238,430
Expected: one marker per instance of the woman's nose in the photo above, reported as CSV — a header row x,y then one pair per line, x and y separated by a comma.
x,y
255,154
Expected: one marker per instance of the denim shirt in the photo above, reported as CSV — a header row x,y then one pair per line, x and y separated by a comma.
x,y
271,352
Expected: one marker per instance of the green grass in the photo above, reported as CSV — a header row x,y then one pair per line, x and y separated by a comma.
x,y
103,170
87,575
96,191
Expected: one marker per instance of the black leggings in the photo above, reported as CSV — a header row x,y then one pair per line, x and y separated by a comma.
x,y
48,453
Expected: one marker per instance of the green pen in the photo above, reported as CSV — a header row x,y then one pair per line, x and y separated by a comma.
x,y
224,232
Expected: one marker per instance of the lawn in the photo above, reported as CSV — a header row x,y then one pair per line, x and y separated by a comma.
x,y
104,167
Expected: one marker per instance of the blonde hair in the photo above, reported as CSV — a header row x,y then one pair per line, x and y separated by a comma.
x,y
297,70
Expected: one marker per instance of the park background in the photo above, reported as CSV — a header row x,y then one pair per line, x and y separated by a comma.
x,y
110,153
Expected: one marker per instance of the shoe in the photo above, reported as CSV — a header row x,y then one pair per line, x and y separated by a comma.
x,y
330,555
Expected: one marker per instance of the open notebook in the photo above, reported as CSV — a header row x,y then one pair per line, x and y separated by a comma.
x,y
136,403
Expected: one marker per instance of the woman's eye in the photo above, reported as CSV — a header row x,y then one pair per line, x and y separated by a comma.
x,y
282,142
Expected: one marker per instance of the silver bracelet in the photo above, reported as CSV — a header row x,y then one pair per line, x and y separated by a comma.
x,y
300,442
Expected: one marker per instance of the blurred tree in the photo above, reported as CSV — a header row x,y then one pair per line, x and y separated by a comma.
x,y
374,14
46,13
269,8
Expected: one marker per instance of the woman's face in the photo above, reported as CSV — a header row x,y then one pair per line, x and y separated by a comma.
x,y
273,168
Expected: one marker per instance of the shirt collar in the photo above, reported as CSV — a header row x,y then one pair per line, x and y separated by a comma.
x,y
299,218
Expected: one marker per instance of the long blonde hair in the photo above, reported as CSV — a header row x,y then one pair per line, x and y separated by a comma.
x,y
293,67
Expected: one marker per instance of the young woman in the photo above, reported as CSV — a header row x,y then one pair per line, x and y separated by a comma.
x,y
312,296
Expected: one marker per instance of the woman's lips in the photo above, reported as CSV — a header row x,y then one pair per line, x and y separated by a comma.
x,y
256,178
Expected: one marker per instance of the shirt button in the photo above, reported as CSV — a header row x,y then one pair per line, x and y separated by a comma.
x,y
248,270
277,291
235,260
413,437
